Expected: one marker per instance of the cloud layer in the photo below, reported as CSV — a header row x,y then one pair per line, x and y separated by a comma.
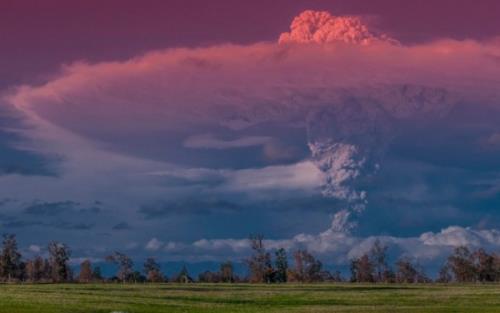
x,y
333,112
339,247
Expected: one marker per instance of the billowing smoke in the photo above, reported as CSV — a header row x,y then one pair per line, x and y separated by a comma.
x,y
348,138
322,27
341,164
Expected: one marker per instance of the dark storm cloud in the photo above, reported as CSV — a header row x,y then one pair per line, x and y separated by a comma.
x,y
13,161
6,201
15,223
61,207
442,144
15,158
407,196
62,215
122,226
66,225
91,210
50,208
189,206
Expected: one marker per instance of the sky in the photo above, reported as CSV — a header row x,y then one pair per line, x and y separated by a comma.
x,y
175,129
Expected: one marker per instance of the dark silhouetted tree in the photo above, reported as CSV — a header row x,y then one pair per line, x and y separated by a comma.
x,y
306,268
59,255
22,272
337,277
85,275
486,268
462,266
47,271
378,256
405,271
10,259
281,265
209,277
96,274
444,274
35,269
137,277
125,265
152,271
259,264
421,275
183,276
226,272
362,269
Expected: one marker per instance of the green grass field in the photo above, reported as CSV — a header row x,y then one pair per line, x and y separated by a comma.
x,y
249,298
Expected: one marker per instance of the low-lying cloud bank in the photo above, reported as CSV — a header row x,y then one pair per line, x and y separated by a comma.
x,y
336,247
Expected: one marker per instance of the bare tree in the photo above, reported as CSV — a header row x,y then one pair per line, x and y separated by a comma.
x,y
96,274
486,268
462,265
259,264
10,259
137,277
85,275
152,271
306,268
362,269
47,271
125,265
337,276
226,272
406,272
421,275
378,255
35,269
59,255
444,275
281,265
496,265
209,277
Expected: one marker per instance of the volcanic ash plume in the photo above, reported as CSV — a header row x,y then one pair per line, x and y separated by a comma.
x,y
348,137
322,27
341,164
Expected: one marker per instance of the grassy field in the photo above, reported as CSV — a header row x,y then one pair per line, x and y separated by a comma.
x,y
249,298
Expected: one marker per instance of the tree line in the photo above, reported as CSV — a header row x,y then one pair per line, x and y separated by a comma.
x,y
264,266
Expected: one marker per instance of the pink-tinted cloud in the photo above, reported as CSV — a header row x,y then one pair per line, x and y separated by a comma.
x,y
342,94
209,141
322,27
344,101
238,86
39,36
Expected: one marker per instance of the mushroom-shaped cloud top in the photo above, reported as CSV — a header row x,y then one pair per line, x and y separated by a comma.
x,y
322,27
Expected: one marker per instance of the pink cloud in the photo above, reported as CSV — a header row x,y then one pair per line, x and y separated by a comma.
x,y
242,85
322,27
341,95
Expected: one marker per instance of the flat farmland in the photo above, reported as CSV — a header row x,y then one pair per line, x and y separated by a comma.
x,y
306,298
